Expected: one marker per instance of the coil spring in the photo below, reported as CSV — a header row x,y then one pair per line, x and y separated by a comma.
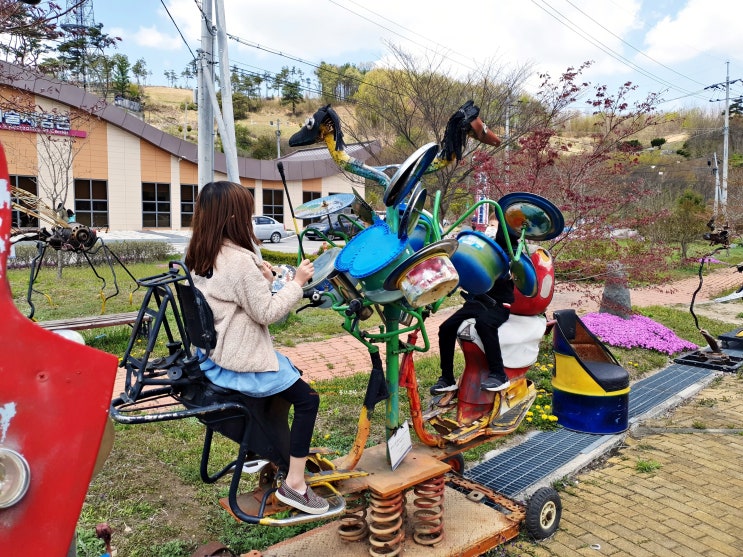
x,y
386,524
353,526
428,519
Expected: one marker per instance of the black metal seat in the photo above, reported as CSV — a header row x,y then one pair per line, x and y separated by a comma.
x,y
172,386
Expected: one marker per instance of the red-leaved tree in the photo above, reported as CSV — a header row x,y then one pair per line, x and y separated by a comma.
x,y
586,176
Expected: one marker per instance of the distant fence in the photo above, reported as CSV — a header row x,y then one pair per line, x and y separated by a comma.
x,y
134,106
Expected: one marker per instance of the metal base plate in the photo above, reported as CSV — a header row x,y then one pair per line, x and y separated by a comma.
x,y
470,528
713,360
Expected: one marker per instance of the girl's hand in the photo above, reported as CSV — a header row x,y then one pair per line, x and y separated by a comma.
x,y
304,272
267,271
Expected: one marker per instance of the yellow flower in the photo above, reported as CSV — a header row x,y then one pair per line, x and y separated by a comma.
x,y
550,365
528,419
553,418
547,408
543,416
528,414
327,436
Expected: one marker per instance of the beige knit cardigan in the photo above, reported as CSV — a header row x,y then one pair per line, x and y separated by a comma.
x,y
243,306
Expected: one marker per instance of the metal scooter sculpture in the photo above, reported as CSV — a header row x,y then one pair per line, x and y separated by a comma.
x,y
409,245
402,268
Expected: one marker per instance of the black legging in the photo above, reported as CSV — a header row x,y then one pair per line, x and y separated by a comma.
x,y
306,402
487,322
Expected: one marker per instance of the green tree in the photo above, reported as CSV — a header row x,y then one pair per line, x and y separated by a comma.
x,y
171,77
291,94
686,223
244,140
80,47
339,83
139,71
120,76
279,79
264,148
658,142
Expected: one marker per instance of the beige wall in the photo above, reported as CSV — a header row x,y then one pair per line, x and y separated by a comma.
x,y
91,160
124,180
155,164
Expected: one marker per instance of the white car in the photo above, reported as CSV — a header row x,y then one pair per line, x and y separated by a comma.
x,y
268,228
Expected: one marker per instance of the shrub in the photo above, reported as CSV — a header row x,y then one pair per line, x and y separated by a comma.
x,y
139,251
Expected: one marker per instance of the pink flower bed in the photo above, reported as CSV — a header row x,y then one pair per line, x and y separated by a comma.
x,y
637,332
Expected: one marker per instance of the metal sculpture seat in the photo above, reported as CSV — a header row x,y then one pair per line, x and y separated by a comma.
x,y
590,389
172,386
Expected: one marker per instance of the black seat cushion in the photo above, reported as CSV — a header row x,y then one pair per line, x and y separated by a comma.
x,y
609,376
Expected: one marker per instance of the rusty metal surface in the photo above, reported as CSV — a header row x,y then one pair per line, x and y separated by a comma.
x,y
470,528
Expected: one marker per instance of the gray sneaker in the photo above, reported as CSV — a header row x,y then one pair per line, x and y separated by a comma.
x,y
443,386
309,502
494,384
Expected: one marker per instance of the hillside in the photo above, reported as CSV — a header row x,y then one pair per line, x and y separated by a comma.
x,y
164,109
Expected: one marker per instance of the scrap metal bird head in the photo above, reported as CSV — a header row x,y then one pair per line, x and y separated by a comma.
x,y
318,127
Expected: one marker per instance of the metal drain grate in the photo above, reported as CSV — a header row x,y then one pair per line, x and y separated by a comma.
x,y
519,467
656,389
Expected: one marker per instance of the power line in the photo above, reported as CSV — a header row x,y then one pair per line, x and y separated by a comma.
x,y
400,35
565,21
193,56
632,47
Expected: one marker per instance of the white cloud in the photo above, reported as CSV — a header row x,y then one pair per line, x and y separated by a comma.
x,y
696,29
151,37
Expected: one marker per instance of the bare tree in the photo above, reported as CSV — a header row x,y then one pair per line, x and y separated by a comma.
x,y
410,105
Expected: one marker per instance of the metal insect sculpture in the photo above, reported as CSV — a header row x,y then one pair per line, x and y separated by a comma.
x,y
63,234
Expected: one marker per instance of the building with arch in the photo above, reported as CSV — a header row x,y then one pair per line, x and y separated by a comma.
x,y
74,150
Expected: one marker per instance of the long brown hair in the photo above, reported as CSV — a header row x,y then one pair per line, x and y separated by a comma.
x,y
223,211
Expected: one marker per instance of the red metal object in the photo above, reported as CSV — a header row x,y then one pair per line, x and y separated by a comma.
x,y
545,268
54,401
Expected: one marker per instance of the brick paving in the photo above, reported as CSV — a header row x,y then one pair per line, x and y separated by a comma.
x,y
687,504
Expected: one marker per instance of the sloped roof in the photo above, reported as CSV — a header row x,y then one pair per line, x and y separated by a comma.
x,y
305,164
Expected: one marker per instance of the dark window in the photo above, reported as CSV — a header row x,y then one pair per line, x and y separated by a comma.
x,y
188,198
273,204
91,202
19,218
155,205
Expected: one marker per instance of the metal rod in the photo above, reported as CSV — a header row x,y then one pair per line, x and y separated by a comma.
x,y
280,166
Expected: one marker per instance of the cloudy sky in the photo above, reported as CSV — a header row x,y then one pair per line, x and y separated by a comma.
x,y
673,47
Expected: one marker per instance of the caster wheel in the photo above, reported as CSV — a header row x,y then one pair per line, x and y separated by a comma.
x,y
543,512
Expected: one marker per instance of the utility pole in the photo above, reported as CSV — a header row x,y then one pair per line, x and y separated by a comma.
x,y
717,186
205,74
726,134
724,193
278,137
209,109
